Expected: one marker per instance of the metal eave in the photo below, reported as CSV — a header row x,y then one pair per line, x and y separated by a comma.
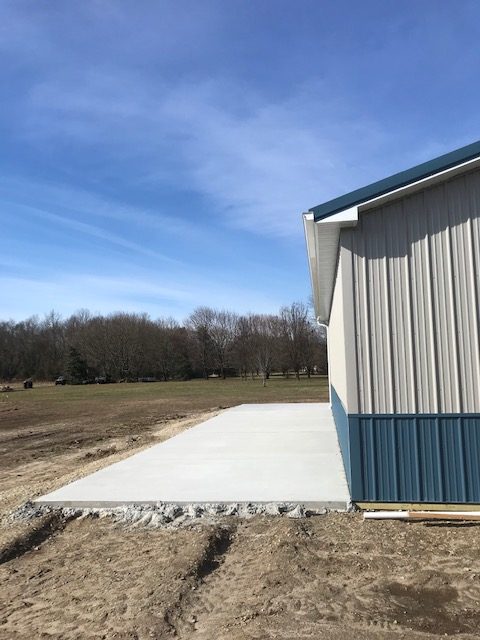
x,y
322,239
455,162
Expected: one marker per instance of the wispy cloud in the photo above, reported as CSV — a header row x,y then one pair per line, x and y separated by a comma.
x,y
25,296
95,231
87,204
258,162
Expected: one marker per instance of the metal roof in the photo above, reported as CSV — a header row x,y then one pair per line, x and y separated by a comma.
x,y
397,181
323,223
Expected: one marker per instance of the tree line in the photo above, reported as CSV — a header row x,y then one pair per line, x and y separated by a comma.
x,y
129,346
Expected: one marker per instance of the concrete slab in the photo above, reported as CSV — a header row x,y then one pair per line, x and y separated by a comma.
x,y
250,453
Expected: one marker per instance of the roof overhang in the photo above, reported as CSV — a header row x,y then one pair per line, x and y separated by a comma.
x,y
322,239
323,224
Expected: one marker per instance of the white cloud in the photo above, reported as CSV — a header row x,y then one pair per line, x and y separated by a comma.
x,y
24,296
95,231
259,163
58,199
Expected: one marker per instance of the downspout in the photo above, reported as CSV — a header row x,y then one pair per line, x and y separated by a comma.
x,y
323,324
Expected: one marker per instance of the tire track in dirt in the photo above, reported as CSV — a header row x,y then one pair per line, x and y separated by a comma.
x,y
99,579
33,536
182,618
216,606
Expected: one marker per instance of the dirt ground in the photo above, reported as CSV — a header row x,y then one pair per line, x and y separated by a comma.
x,y
331,576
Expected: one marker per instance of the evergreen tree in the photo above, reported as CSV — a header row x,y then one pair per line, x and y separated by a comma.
x,y
77,367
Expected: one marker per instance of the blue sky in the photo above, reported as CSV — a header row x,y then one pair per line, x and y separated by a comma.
x,y
156,156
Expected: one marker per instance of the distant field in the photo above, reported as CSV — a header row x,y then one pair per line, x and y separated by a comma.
x,y
137,401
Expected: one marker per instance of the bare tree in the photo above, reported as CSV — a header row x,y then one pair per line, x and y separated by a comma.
x,y
129,345
223,330
295,328
53,339
200,323
265,330
166,347
243,349
9,352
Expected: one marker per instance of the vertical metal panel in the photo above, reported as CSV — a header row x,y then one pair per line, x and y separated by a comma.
x,y
343,431
349,337
417,292
471,440
416,458
342,367
337,361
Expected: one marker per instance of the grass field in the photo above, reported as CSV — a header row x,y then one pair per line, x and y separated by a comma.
x,y
124,406
193,394
331,577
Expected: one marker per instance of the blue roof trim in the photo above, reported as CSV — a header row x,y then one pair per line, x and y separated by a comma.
x,y
398,180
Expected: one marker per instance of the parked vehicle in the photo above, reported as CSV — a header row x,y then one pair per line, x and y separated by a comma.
x,y
28,383
60,380
104,380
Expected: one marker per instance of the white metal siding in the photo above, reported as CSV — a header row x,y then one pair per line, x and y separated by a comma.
x,y
416,288
337,361
342,369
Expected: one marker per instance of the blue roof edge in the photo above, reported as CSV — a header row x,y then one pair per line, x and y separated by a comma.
x,y
397,181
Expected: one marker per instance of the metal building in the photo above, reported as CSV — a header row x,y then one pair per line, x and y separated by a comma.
x,y
395,276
